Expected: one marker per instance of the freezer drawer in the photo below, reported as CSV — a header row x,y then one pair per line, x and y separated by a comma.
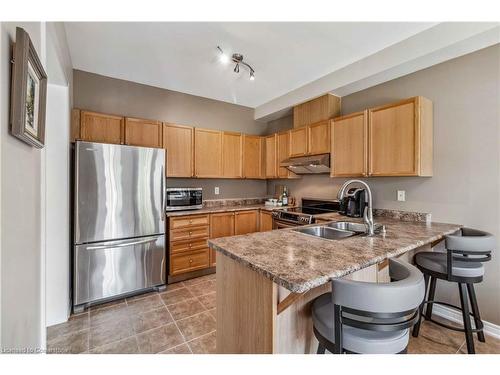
x,y
106,269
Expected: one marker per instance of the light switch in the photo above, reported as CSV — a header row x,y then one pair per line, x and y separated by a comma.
x,y
216,190
401,195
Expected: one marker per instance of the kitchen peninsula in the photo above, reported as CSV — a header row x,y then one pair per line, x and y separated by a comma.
x,y
265,281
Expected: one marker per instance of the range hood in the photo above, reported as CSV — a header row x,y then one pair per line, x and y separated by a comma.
x,y
314,164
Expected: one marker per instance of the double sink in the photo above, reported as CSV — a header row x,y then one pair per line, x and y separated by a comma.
x,y
336,231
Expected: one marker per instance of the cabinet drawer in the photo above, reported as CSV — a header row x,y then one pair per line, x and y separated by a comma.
x,y
189,233
186,262
183,246
188,221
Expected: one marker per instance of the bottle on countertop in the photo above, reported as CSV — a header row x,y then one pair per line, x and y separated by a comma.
x,y
284,198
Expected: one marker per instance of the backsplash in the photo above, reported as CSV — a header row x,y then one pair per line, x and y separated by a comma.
x,y
403,215
210,203
228,188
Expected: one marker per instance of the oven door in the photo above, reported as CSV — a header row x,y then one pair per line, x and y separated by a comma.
x,y
279,224
183,199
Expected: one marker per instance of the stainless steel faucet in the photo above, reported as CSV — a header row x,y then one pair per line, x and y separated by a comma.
x,y
368,212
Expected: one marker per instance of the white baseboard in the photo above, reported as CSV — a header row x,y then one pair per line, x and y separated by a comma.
x,y
455,316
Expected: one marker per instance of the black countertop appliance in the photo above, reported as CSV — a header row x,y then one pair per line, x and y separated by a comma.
x,y
354,202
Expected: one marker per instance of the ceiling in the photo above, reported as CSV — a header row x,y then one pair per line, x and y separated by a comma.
x,y
183,56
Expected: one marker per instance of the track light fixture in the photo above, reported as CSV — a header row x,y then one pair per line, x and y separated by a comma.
x,y
236,58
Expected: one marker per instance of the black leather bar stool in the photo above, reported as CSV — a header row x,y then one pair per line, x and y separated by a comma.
x,y
462,263
369,318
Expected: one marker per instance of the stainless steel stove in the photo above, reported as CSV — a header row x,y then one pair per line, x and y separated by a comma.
x,y
303,215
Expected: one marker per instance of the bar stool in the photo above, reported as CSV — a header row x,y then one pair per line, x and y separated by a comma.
x,y
462,263
369,318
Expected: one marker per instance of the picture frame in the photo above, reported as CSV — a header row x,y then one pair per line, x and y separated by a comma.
x,y
28,92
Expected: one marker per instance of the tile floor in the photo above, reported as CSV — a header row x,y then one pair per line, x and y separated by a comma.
x,y
181,320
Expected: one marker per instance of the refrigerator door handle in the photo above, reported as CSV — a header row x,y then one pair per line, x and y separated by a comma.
x,y
163,193
123,244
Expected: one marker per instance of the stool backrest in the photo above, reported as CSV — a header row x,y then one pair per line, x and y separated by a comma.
x,y
471,242
468,245
406,293
378,306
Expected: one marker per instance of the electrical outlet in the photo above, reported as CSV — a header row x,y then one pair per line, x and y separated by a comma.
x,y
401,195
216,190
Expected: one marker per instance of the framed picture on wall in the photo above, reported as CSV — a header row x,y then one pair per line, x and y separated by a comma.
x,y
28,92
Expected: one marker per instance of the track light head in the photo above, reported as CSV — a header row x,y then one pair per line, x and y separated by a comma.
x,y
237,58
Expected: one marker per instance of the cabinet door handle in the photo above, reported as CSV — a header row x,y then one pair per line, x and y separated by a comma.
x,y
190,261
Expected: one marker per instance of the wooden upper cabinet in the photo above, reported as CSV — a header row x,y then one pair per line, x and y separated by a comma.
x,y
246,222
271,157
208,153
318,138
253,153
146,133
74,133
178,142
99,127
283,153
232,155
350,145
298,141
322,108
400,138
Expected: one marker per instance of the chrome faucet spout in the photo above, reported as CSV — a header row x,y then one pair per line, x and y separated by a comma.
x,y
368,211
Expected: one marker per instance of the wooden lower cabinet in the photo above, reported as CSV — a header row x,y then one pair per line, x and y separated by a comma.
x,y
189,233
265,221
189,261
188,221
246,222
221,225
188,248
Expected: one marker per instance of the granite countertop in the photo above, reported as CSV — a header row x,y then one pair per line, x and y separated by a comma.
x,y
301,262
209,210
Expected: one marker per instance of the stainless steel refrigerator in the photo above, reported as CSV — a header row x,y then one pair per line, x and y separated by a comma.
x,y
119,221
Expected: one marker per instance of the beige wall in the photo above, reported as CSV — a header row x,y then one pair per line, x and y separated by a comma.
x,y
21,217
280,124
465,185
28,200
110,95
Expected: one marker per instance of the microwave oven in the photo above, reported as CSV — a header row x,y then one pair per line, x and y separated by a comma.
x,y
184,199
